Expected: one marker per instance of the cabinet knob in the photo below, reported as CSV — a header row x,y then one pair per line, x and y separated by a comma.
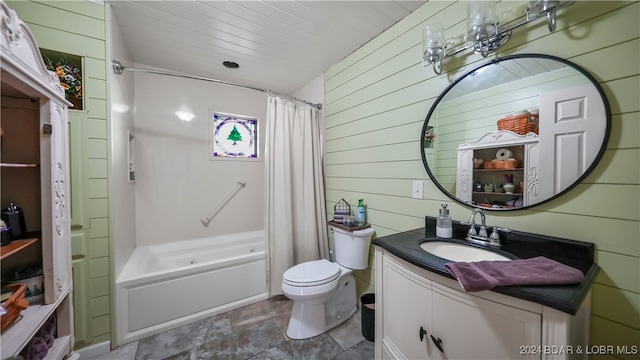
x,y
422,333
438,343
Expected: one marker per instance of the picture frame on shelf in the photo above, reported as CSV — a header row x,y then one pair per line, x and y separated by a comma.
x,y
69,69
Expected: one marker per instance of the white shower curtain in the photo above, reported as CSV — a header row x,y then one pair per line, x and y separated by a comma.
x,y
295,216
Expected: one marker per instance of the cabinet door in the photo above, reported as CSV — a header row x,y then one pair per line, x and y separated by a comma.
x,y
473,328
56,237
407,312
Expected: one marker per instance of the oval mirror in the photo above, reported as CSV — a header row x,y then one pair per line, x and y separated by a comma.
x,y
515,132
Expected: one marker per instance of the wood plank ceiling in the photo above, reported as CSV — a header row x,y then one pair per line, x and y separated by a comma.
x,y
279,45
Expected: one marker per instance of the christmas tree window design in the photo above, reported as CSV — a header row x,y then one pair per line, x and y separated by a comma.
x,y
234,136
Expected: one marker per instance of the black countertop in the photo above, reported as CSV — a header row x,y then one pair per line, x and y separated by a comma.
x,y
515,244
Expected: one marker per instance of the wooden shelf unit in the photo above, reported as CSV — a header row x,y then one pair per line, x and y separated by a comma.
x,y
14,247
34,173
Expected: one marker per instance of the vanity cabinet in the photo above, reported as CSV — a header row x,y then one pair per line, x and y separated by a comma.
x,y
469,327
407,320
524,172
423,315
34,173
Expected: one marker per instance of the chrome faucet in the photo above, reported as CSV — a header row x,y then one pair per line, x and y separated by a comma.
x,y
472,224
480,236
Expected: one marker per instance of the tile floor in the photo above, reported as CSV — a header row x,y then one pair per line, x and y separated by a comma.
x,y
256,331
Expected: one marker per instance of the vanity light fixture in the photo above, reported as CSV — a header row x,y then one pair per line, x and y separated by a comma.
x,y
484,33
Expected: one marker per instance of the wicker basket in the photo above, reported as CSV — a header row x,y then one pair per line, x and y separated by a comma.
x,y
13,305
520,124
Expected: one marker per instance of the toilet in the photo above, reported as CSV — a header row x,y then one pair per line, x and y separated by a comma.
x,y
324,292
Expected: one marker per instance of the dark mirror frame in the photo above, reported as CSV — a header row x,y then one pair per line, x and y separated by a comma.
x,y
426,128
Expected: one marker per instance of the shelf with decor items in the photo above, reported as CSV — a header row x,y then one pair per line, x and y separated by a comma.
x,y
35,175
495,170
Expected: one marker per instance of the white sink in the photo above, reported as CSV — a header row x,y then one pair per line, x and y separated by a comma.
x,y
460,252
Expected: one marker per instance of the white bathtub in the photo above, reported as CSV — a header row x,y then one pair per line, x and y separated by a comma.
x,y
168,285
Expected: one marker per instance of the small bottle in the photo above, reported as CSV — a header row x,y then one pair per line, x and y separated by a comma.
x,y
444,227
360,215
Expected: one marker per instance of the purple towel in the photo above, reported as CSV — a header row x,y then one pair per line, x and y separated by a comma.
x,y
484,275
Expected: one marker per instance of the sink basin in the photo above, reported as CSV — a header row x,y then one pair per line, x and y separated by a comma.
x,y
460,252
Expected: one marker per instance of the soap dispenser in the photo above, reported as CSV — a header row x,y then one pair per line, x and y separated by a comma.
x,y
444,227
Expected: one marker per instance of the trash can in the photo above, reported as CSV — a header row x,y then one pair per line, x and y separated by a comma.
x,y
368,312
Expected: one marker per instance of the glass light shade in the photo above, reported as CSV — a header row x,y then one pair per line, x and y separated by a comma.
x,y
481,20
433,42
540,6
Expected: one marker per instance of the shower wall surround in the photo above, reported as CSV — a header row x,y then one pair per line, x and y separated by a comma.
x,y
122,193
378,97
176,183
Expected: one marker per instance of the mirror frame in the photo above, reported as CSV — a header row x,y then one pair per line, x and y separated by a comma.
x,y
595,162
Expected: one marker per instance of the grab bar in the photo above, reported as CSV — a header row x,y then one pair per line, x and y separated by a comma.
x,y
205,221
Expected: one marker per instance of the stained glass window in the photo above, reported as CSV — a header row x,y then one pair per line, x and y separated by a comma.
x,y
234,136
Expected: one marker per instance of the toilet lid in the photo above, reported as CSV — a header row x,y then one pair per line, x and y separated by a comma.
x,y
312,273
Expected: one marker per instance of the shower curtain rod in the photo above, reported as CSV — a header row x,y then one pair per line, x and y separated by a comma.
x,y
118,68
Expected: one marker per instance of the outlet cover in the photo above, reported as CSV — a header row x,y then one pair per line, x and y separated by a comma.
x,y
417,191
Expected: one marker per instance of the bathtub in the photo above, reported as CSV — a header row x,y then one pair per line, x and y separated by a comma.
x,y
168,285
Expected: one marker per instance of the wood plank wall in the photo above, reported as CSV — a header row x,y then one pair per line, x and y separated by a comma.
x,y
376,102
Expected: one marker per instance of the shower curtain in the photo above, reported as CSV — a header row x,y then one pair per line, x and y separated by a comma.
x,y
295,216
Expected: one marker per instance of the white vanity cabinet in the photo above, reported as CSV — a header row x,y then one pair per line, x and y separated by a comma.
x,y
525,148
407,298
470,327
483,325
34,173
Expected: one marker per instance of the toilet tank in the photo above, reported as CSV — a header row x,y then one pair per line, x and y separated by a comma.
x,y
352,247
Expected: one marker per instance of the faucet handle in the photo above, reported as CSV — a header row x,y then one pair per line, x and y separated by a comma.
x,y
482,232
494,234
472,230
494,238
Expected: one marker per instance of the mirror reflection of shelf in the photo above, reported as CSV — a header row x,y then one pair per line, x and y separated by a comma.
x,y
498,170
485,166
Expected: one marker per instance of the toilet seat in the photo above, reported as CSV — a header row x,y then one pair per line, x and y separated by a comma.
x,y
312,273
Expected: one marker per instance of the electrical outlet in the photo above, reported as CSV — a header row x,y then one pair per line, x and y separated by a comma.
x,y
417,191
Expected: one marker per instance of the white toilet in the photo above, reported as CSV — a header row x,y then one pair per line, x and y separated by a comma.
x,y
324,293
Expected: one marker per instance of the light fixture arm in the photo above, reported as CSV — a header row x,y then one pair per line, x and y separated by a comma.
x,y
551,19
489,44
437,70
